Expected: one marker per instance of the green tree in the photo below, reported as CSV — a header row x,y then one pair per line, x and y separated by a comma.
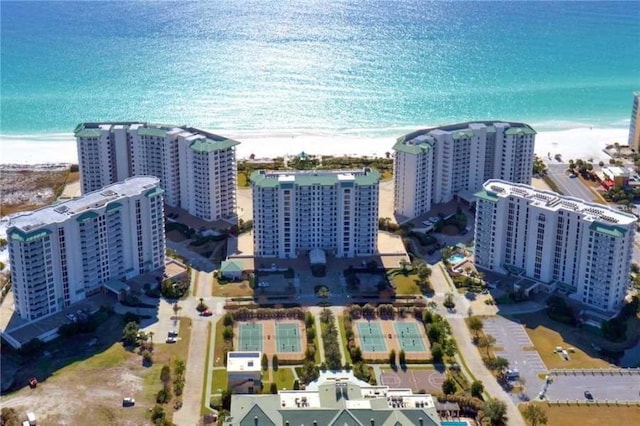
x,y
495,411
437,353
179,367
475,325
448,386
274,362
130,333
158,414
356,354
448,301
265,362
487,341
201,306
535,415
402,357
165,375
392,358
477,388
296,384
273,388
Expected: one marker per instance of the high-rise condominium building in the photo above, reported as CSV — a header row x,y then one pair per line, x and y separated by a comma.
x,y
197,169
564,242
433,165
297,211
63,253
634,126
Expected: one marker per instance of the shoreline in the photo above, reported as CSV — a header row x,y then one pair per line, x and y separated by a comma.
x,y
579,142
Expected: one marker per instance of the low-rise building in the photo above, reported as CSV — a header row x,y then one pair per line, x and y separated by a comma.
x,y
335,399
244,371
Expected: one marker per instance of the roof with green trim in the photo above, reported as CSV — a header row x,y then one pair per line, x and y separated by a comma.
x,y
152,131
365,177
610,230
210,145
88,133
486,195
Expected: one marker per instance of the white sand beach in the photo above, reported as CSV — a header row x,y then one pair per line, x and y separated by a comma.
x,y
575,143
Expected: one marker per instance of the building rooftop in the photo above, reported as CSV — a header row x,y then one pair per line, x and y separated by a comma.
x,y
243,361
336,398
607,217
421,140
272,179
203,141
28,223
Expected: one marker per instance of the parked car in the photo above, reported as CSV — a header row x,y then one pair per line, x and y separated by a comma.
x,y
171,340
128,402
173,333
206,313
588,395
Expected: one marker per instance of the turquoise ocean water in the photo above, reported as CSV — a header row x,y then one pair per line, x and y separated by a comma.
x,y
365,67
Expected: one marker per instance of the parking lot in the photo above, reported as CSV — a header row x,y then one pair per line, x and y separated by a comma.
x,y
601,384
513,339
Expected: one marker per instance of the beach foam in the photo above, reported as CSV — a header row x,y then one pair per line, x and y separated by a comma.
x,y
583,142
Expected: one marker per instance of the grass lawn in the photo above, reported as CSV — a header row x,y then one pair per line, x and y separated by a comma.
x,y
284,378
343,338
241,289
218,352
219,378
546,339
586,415
405,285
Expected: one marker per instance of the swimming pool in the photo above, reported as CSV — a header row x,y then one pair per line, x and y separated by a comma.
x,y
456,258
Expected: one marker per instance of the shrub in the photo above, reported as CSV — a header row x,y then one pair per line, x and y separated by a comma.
x,y
273,388
274,362
227,333
163,396
227,320
392,358
477,388
265,362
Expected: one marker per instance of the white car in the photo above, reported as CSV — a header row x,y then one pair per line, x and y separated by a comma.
x,y
128,402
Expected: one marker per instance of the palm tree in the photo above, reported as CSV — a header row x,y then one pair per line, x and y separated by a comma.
x,y
495,411
535,415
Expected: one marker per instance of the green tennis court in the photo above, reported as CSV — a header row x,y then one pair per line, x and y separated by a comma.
x,y
371,337
288,338
249,337
409,337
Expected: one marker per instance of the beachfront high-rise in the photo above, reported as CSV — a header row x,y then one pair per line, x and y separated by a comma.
x,y
297,211
560,241
64,253
433,165
197,169
634,126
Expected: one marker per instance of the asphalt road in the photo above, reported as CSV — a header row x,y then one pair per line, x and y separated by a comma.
x,y
568,185
610,387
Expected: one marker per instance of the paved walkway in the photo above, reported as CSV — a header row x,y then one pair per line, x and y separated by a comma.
x,y
189,414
